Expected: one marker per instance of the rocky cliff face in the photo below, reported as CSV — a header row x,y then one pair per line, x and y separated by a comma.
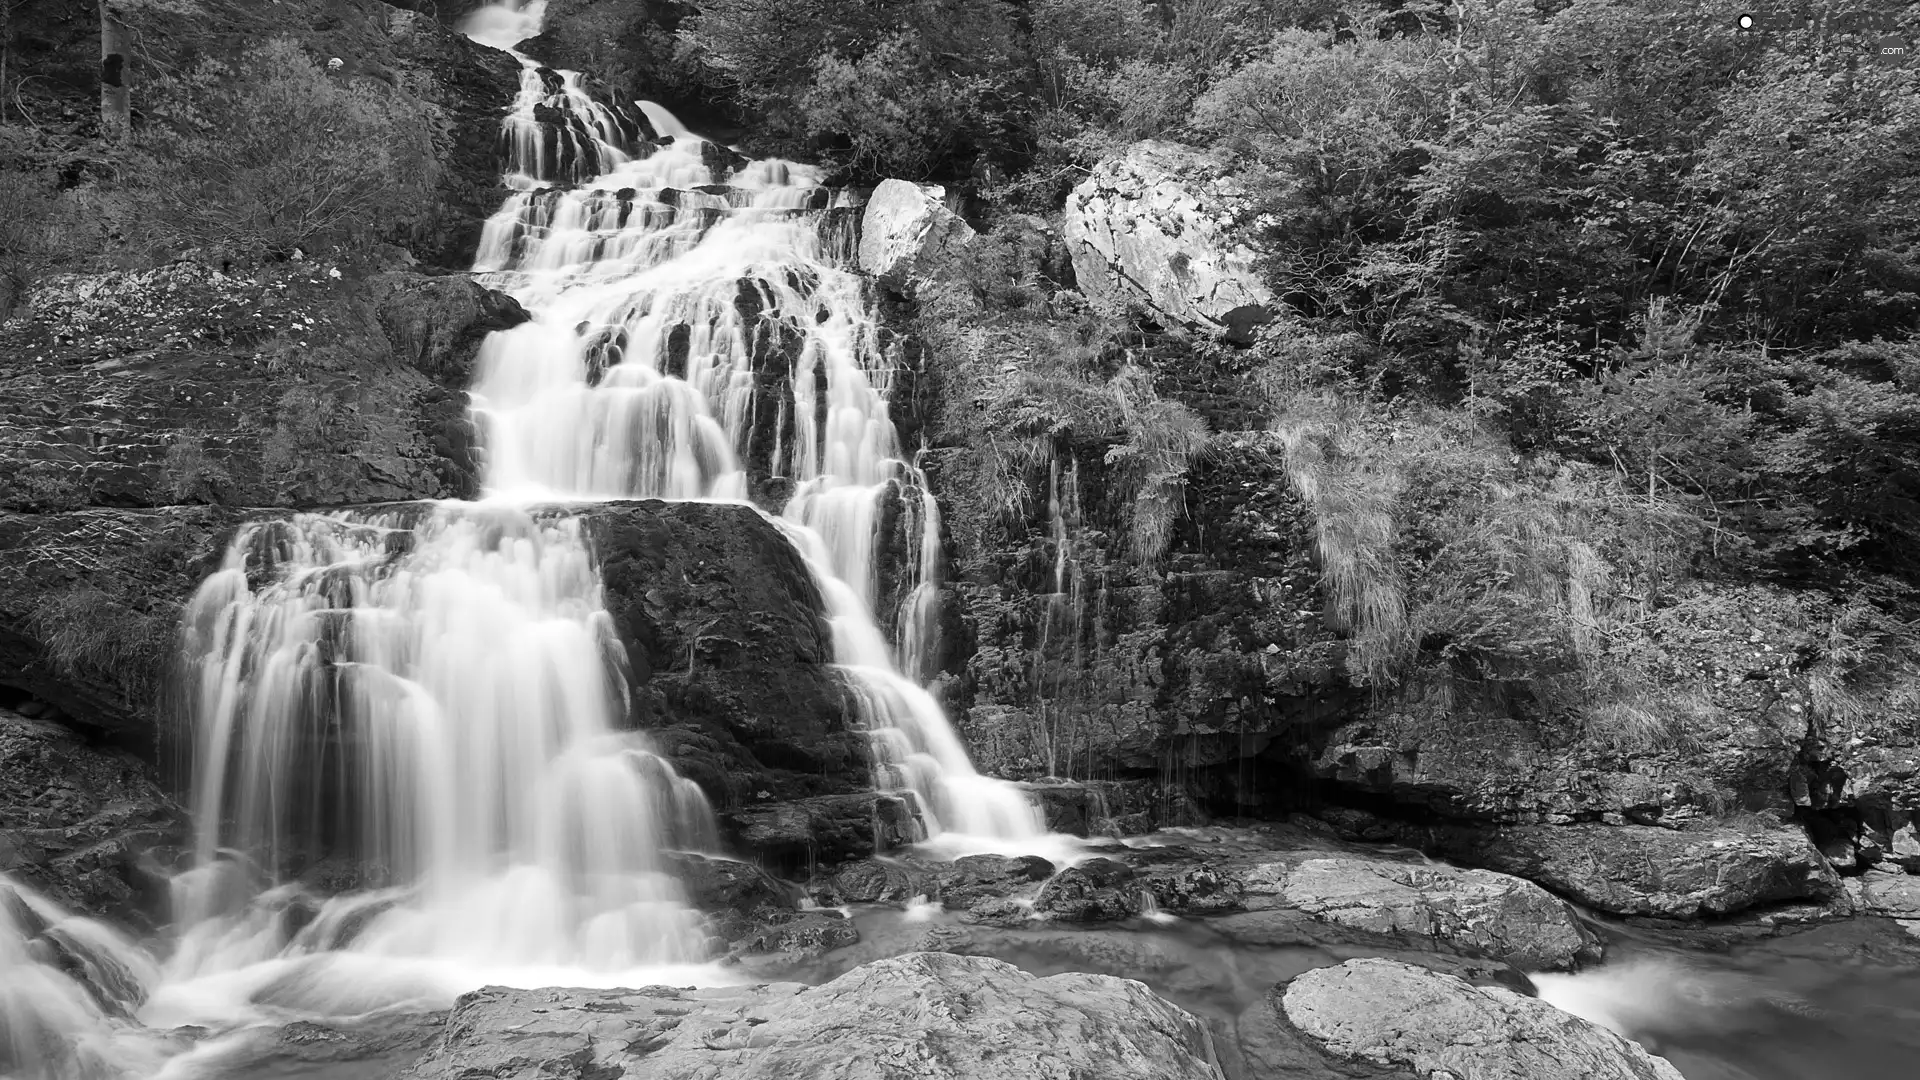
x,y
1161,227
1214,679
295,386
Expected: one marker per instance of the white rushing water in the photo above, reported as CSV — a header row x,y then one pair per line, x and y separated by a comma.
x,y
410,770
694,322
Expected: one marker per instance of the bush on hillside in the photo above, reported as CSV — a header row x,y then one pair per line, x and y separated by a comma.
x,y
273,154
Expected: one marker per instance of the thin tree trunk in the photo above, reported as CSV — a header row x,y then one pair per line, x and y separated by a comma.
x,y
6,53
116,111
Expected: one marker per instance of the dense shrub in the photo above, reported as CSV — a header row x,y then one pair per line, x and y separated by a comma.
x,y
272,154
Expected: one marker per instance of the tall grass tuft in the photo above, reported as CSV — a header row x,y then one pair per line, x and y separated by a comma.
x,y
1164,440
1353,502
87,634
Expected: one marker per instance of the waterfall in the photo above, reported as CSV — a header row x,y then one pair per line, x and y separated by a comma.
x,y
695,328
427,707
68,990
439,702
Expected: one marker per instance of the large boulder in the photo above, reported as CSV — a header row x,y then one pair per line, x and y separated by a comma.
x,y
1895,896
1438,1027
906,231
731,661
1159,227
797,835
932,1016
1667,873
1485,913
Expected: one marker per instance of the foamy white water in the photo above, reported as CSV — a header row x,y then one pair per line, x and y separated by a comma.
x,y
432,707
438,704
693,325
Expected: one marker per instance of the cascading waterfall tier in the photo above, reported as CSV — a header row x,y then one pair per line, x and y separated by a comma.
x,y
697,336
438,701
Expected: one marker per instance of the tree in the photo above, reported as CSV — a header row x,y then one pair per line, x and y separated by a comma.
x,y
116,109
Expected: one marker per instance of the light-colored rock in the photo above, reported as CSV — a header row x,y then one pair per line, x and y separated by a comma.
x,y
1896,896
1667,873
1396,1015
906,231
1492,914
930,1016
1159,227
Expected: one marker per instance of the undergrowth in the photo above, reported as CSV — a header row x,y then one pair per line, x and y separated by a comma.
x,y
88,635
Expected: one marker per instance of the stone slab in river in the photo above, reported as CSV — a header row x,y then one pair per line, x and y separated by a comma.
x,y
929,1016
1385,1013
1490,914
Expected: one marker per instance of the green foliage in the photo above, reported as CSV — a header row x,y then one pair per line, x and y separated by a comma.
x,y
1031,386
45,230
1149,469
191,474
310,447
903,89
632,47
1354,504
42,487
895,112
272,154
89,635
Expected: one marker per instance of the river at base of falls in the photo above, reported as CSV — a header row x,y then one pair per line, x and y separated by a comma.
x,y
1838,1001
1834,1002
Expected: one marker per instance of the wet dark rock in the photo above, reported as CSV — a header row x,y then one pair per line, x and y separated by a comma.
x,y
957,885
800,834
1221,663
792,935
178,386
436,324
873,881
1098,890
728,655
720,160
85,825
1114,807
730,886
1069,808
968,880
998,911
969,1017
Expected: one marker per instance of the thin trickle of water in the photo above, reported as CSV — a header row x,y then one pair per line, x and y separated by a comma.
x,y
1056,679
